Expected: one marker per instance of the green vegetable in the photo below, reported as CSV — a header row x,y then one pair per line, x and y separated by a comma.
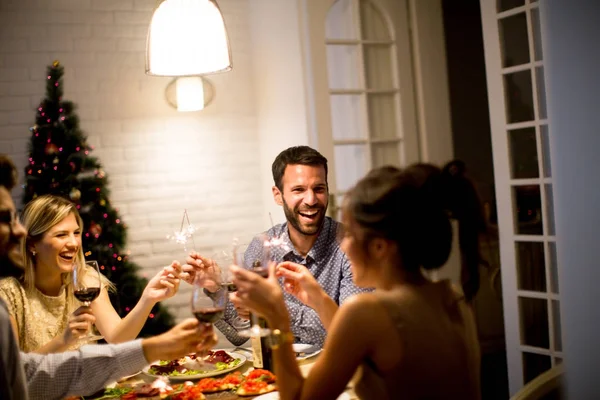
x,y
188,372
110,393
221,365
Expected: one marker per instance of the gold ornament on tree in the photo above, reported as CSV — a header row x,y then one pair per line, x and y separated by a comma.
x,y
75,194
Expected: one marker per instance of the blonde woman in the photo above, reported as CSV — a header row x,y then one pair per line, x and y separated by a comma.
x,y
46,316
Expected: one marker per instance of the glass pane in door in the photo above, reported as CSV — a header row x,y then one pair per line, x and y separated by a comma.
x,y
541,92
385,154
553,265
549,209
537,34
545,151
528,209
347,117
531,266
343,65
373,24
351,164
519,97
378,66
523,153
382,116
533,365
504,5
557,328
340,21
534,322
515,50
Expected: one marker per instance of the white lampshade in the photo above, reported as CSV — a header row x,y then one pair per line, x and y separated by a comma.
x,y
187,37
190,93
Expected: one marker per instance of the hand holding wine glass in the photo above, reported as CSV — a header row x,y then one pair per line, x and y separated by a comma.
x,y
87,285
208,307
259,266
261,295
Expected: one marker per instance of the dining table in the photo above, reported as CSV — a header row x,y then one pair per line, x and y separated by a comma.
x,y
304,364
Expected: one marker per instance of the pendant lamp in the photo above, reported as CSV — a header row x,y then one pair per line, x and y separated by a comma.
x,y
187,37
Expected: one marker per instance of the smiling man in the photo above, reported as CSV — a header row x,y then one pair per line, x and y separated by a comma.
x,y
308,237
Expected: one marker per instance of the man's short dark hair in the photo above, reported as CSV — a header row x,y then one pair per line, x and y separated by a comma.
x,y
297,155
8,172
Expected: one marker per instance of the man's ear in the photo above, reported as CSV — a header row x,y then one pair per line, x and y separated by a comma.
x,y
277,195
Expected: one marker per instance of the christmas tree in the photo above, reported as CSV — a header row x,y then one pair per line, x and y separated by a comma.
x,y
60,163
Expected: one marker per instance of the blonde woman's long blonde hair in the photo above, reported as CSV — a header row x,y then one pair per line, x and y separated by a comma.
x,y
38,217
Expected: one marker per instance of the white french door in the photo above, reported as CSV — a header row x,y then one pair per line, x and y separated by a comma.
x,y
360,74
523,180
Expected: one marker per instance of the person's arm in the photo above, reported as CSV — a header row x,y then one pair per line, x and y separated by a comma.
x,y
12,377
77,325
335,366
225,326
300,283
305,323
84,372
116,330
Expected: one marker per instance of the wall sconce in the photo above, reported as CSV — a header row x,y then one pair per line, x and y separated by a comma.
x,y
186,38
189,93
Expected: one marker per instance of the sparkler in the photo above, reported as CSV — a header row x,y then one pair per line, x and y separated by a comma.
x,y
184,235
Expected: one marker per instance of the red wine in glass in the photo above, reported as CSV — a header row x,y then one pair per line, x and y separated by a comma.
x,y
210,314
87,295
87,284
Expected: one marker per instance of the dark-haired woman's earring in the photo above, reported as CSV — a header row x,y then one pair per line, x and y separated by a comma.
x,y
33,253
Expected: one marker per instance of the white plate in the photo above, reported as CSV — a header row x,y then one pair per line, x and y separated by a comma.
x,y
205,374
275,396
304,351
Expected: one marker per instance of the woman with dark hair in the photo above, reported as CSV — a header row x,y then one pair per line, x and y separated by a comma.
x,y
411,337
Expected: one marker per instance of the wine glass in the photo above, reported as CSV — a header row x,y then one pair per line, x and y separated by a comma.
x,y
208,307
259,266
224,261
87,285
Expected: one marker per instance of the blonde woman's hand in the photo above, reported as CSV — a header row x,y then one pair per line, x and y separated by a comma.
x,y
299,282
198,266
164,284
78,324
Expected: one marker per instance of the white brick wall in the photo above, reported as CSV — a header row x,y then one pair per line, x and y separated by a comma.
x,y
158,161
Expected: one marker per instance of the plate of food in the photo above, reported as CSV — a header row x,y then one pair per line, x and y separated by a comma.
x,y
190,367
254,383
